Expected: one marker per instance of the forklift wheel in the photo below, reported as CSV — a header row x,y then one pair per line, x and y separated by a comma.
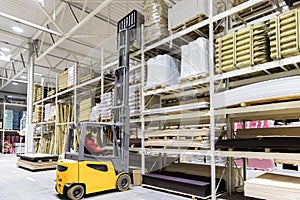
x,y
75,192
123,182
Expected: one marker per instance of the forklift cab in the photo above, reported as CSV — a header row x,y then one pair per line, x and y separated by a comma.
x,y
86,170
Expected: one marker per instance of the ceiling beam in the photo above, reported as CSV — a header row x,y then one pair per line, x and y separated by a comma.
x,y
22,21
75,28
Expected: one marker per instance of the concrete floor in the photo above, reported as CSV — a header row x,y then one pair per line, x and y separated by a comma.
x,y
18,183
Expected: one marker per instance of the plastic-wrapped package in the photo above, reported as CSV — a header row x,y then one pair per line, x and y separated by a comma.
x,y
194,58
95,114
135,100
162,70
106,106
49,112
156,20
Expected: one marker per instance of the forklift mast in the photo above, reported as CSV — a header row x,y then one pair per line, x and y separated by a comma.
x,y
121,113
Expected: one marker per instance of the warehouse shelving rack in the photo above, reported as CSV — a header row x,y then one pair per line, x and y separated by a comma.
x,y
13,106
213,82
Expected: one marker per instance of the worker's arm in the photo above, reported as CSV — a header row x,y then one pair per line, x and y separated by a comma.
x,y
92,146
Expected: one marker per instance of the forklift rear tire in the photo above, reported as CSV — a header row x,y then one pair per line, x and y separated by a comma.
x,y
123,182
75,192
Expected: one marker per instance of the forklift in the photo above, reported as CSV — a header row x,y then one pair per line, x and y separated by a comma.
x,y
83,171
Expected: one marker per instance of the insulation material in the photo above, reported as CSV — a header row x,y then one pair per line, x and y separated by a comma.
x,y
106,106
63,80
194,58
284,35
272,187
188,9
85,108
72,75
135,100
49,112
156,20
288,88
95,114
162,70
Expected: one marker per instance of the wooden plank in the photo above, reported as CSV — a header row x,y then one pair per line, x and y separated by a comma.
x,y
179,133
36,165
261,132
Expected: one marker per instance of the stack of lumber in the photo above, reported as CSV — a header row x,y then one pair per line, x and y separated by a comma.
x,y
44,145
156,20
179,138
284,35
263,92
268,132
37,92
85,108
106,106
37,114
49,112
86,74
50,91
273,186
63,80
244,48
95,113
37,161
135,100
64,115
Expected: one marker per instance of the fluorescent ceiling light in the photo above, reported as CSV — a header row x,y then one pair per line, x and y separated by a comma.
x,y
37,74
5,49
23,77
4,58
41,1
15,83
17,29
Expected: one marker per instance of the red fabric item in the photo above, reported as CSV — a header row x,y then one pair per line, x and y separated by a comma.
x,y
92,146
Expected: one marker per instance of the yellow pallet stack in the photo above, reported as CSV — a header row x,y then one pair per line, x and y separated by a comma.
x,y
85,108
63,81
225,53
284,35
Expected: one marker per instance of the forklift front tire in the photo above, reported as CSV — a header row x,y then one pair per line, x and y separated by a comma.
x,y
75,192
123,182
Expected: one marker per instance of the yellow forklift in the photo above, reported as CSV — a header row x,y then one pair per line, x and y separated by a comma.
x,y
86,169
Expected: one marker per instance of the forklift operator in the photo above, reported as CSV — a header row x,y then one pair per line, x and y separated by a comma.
x,y
91,145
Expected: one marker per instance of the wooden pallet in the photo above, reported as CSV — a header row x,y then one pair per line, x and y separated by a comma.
x,y
190,22
268,101
35,166
106,120
155,87
191,78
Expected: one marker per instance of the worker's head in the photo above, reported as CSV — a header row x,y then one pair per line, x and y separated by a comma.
x,y
91,136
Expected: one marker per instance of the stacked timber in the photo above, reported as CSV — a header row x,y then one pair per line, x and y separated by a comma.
x,y
85,108
179,138
244,48
273,186
37,92
284,35
37,114
37,161
63,80
63,118
281,89
156,20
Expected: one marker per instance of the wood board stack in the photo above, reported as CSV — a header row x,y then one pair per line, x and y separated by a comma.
x,y
37,114
156,20
63,80
37,92
85,108
44,145
135,100
179,138
284,35
244,48
106,106
63,117
49,112
287,88
273,187
268,132
37,161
